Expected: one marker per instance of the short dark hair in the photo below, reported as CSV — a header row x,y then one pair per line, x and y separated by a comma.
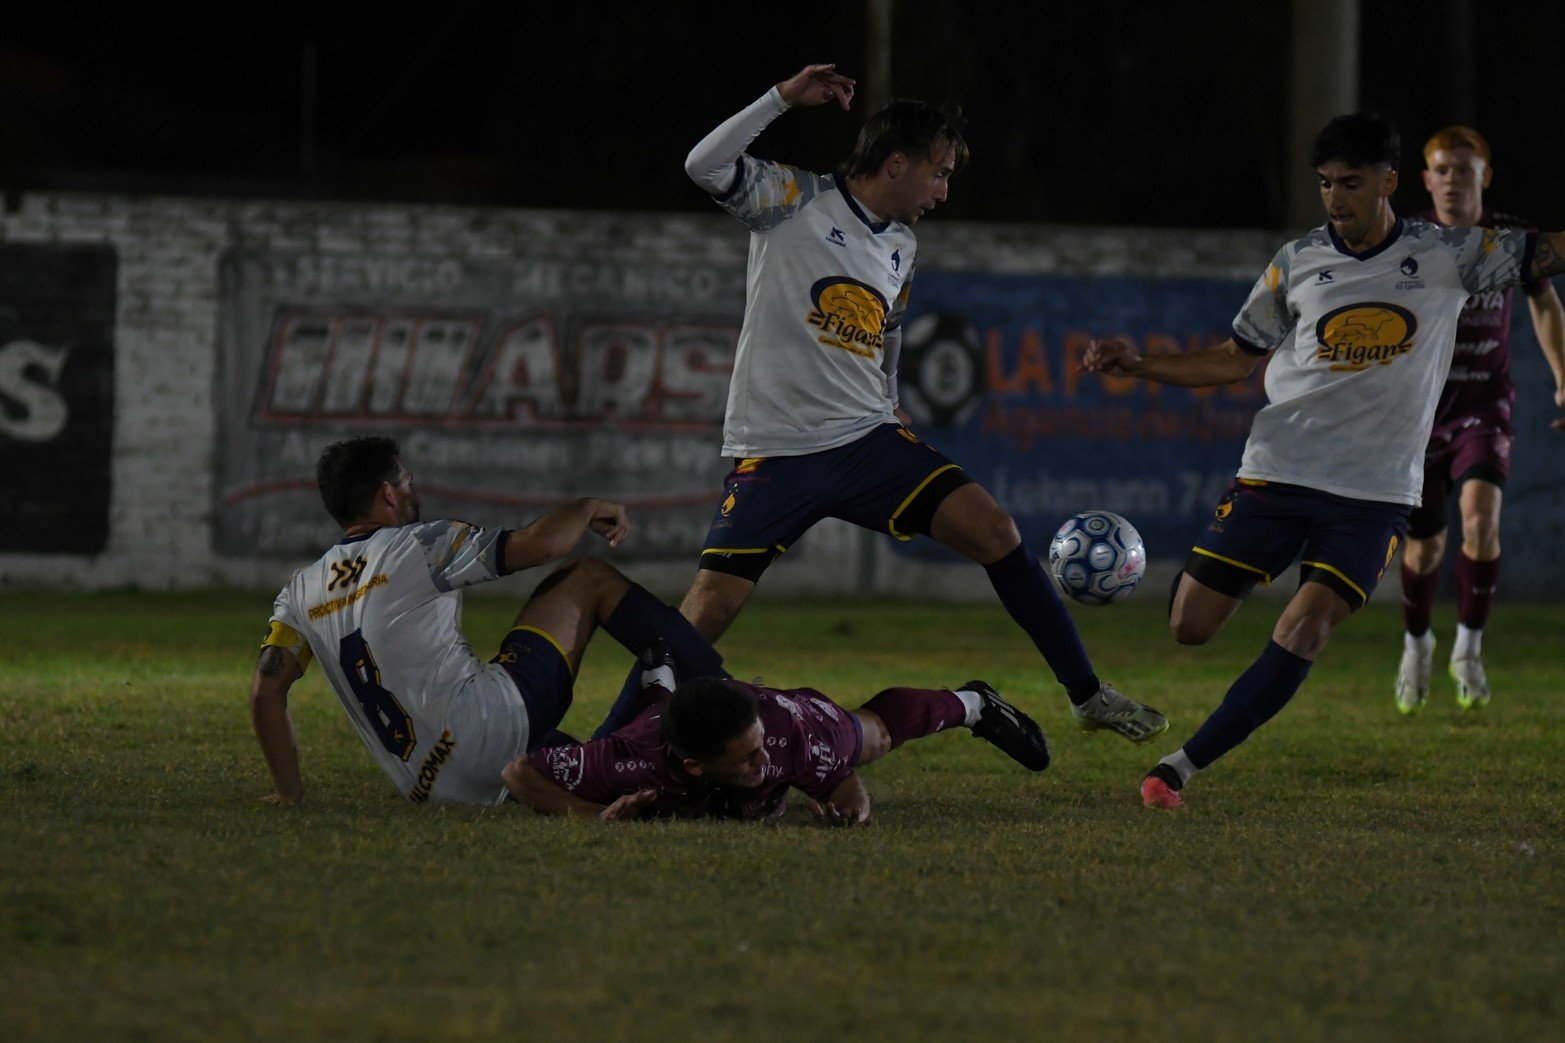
x,y
705,714
1363,139
913,128
349,474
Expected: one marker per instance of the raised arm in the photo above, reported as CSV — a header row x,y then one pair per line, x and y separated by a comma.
x,y
1548,322
558,532
275,673
711,163
1205,367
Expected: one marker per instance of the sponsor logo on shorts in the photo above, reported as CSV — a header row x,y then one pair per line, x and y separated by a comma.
x,y
1357,336
430,769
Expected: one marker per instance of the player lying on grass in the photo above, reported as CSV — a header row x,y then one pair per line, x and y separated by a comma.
x,y
720,748
1362,314
382,612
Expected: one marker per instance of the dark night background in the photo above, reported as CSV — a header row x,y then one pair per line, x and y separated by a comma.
x,y
1125,113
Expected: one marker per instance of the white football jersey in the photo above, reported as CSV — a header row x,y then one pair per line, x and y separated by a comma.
x,y
826,288
1363,343
383,615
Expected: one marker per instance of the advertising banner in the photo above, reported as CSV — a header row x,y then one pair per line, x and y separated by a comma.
x,y
512,386
991,371
56,396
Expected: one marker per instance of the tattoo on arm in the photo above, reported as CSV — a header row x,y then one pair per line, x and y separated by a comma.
x,y
1546,258
272,662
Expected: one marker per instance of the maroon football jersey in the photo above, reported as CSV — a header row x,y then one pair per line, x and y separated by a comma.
x,y
813,744
1479,386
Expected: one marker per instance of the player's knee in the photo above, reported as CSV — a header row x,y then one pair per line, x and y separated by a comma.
x,y
990,536
1189,631
1482,532
1305,634
877,737
1422,556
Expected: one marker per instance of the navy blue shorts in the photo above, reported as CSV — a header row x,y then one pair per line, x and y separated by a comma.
x,y
542,673
1261,528
887,481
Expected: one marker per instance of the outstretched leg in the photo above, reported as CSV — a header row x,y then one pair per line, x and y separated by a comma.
x,y
714,600
970,522
898,715
569,606
1260,692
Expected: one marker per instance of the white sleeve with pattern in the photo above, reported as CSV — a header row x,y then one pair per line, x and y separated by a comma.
x,y
1489,258
1267,318
460,554
758,192
711,164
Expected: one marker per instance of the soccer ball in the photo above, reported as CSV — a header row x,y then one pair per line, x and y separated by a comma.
x,y
1097,557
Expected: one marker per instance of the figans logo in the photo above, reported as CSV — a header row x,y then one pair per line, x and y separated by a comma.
x,y
1360,335
851,315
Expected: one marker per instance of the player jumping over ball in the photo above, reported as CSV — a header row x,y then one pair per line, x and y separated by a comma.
x,y
812,422
1334,461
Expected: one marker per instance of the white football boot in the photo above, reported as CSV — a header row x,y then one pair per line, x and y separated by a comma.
x,y
1418,658
1472,686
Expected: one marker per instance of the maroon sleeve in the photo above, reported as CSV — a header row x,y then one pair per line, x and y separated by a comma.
x,y
826,744
601,771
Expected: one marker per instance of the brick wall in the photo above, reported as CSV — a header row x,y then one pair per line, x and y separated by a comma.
x,y
167,331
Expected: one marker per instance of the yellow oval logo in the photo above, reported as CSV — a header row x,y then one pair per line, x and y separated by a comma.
x,y
850,315
1359,335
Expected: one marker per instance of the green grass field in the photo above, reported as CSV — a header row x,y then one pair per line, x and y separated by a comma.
x,y
1346,874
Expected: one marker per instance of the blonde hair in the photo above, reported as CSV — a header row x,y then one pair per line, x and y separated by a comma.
x,y
1454,137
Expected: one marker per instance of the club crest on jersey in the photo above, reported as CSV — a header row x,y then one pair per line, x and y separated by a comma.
x,y
1358,336
851,315
1409,268
896,261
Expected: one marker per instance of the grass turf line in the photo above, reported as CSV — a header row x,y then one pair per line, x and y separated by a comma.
x,y
1346,872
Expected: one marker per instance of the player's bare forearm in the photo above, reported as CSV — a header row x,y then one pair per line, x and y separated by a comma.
x,y
848,804
275,673
558,532
544,795
1548,322
1205,367
1548,259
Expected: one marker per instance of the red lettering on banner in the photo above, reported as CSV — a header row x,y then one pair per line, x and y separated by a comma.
x,y
435,369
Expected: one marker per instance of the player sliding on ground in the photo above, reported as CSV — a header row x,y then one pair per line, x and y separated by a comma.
x,y
717,748
1364,312
812,423
382,611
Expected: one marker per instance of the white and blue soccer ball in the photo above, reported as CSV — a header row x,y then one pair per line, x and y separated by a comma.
x,y
1097,557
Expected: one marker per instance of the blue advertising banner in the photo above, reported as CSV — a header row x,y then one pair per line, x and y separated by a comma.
x,y
991,372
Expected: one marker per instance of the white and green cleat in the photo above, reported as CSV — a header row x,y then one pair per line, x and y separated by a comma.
x,y
1472,686
1418,658
1108,709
